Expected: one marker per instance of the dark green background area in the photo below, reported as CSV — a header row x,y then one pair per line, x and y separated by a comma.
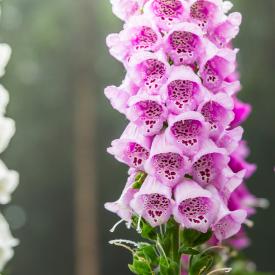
x,y
46,37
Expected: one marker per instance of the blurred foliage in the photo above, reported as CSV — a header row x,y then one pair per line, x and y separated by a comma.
x,y
40,78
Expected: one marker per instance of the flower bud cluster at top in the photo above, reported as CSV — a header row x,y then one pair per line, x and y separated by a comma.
x,y
8,179
184,142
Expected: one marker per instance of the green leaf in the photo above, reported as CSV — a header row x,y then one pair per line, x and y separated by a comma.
x,y
192,238
149,252
140,266
201,264
188,250
167,266
203,238
148,232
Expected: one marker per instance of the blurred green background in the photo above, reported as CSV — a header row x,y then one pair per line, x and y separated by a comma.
x,y
59,68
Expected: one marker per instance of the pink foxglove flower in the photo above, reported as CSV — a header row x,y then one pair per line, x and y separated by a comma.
x,y
208,165
166,162
216,68
228,223
148,113
195,207
183,90
184,44
139,34
121,207
218,112
166,13
188,131
183,145
132,147
153,202
149,70
124,9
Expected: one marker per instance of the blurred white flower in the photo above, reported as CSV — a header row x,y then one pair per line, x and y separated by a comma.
x,y
7,130
7,243
4,99
5,53
9,180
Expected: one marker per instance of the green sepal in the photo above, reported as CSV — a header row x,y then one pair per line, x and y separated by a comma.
x,y
144,260
139,179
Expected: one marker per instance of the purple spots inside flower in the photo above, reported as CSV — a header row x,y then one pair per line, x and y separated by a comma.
x,y
201,11
213,113
137,154
187,132
153,72
195,210
204,169
150,113
181,92
185,45
156,207
145,38
168,167
226,227
167,9
211,77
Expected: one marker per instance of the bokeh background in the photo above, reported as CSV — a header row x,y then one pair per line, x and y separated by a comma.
x,y
59,68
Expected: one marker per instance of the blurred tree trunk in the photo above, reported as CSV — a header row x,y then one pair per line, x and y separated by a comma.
x,y
86,247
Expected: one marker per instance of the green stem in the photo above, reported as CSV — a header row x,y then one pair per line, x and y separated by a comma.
x,y
175,255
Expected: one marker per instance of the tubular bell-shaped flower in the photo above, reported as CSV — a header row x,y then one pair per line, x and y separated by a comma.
x,y
124,9
166,162
208,164
218,112
188,131
222,34
228,223
121,207
119,96
194,207
184,44
153,202
132,148
206,13
149,70
183,90
139,34
148,113
238,160
166,13
215,69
